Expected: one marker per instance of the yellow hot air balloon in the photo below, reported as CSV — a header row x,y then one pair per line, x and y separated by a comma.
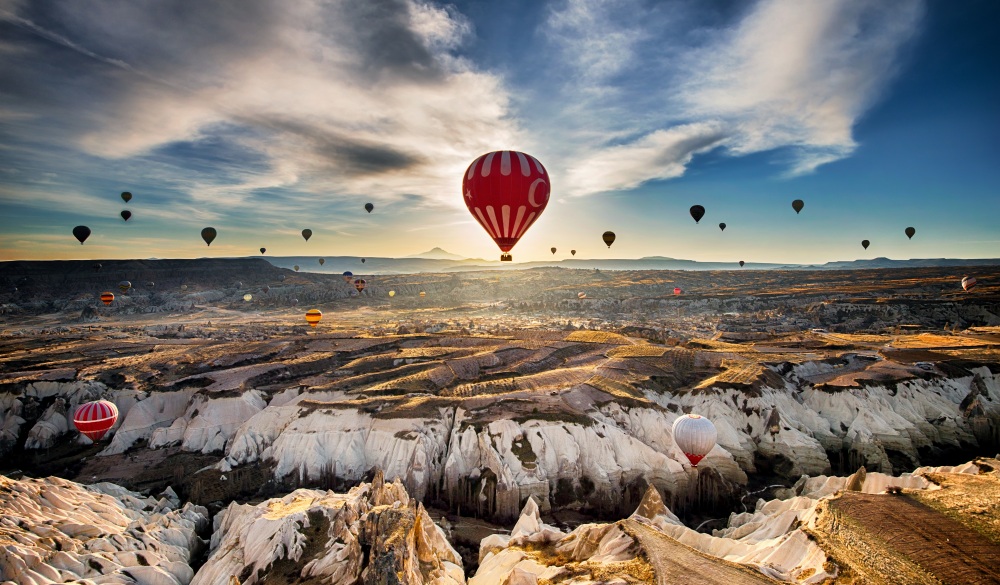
x,y
248,297
313,316
423,294
392,293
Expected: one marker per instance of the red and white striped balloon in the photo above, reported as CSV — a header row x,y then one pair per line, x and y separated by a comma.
x,y
95,419
695,435
506,191
969,283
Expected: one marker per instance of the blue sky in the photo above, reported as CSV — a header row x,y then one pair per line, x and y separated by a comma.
x,y
263,117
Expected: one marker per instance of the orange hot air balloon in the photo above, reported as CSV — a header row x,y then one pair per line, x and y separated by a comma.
x,y
95,419
423,294
313,316
581,295
107,297
506,191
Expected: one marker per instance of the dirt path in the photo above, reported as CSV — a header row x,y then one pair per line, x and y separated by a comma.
x,y
939,545
674,562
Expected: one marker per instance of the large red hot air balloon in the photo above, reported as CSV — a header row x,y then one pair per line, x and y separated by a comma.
x,y
506,191
95,419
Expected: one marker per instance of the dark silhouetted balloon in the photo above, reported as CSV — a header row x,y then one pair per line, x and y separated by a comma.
x,y
742,263
126,196
722,226
208,234
81,233
281,278
362,260
506,192
307,233
126,214
150,284
573,252
97,267
864,244
609,238
797,205
296,267
369,207
697,212
909,232
262,250
322,261
553,250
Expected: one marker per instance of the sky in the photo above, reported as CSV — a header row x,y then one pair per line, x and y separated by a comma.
x,y
264,117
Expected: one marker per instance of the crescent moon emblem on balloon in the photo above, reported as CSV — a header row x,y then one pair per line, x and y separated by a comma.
x,y
531,192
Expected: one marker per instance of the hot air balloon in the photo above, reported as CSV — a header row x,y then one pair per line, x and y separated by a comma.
x,y
695,435
969,283
506,191
95,419
369,207
184,287
312,315
392,293
741,264
208,234
81,233
865,244
307,234
360,284
697,212
296,267
609,238
573,252
909,232
423,294
126,214
248,297
124,286
553,251
262,250
150,284
362,260
267,289
97,267
126,196
677,290
348,276
322,261
107,297
238,284
581,295
295,302
797,205
281,278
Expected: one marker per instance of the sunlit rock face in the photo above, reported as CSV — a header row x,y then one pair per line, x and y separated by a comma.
x,y
369,535
57,531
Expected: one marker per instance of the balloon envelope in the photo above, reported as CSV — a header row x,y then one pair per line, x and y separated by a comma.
x,y
312,315
307,234
362,260
553,250
107,297
423,294
124,286
248,297
348,276
677,290
126,196
296,267
506,191
722,226
969,282
360,284
609,238
573,252
392,293
81,233
697,212
741,264
208,234
369,207
909,232
797,205
126,214
95,419
262,250
322,261
581,295
695,435
865,244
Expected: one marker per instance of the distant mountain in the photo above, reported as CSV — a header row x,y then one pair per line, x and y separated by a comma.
x,y
882,262
438,254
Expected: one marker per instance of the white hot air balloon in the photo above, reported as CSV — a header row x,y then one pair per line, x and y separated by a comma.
x,y
695,435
